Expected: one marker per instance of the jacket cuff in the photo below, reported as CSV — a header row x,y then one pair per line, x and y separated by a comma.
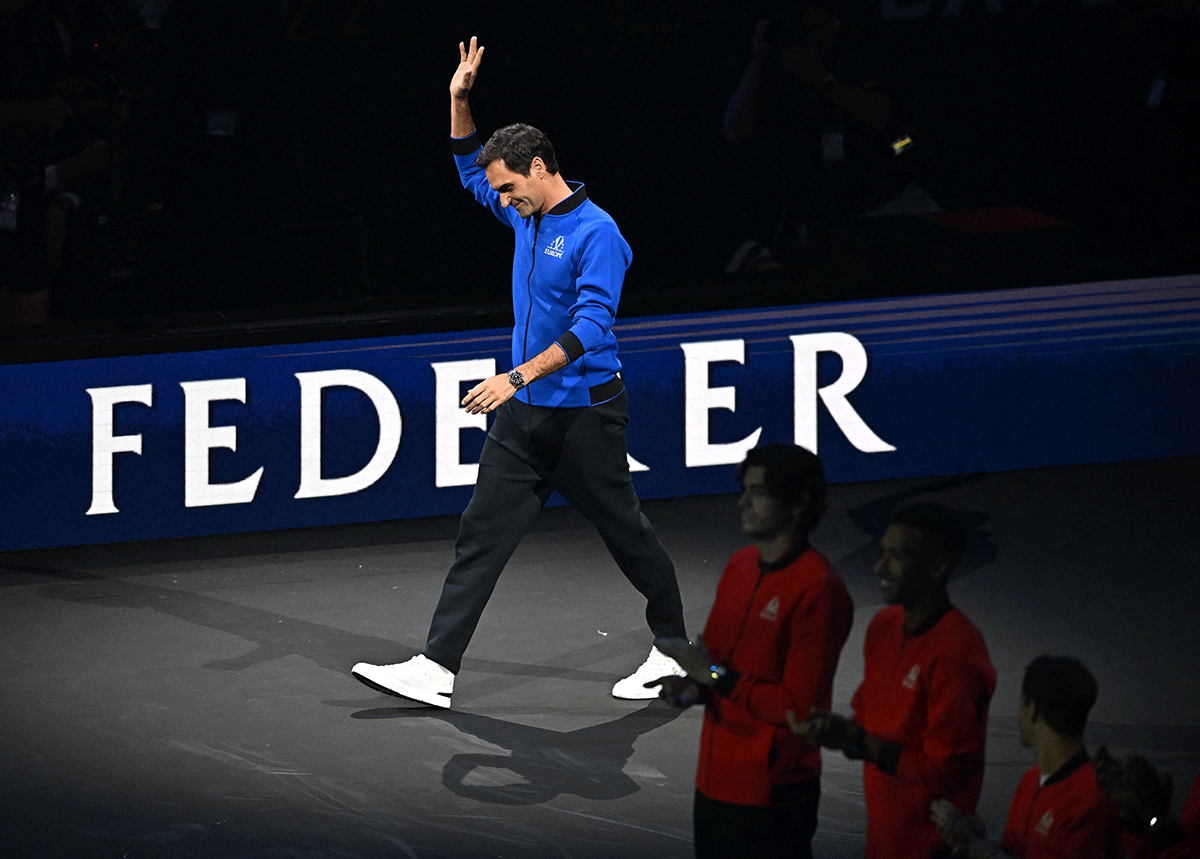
x,y
571,345
889,758
465,145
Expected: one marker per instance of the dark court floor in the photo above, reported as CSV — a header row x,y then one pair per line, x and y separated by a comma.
x,y
192,698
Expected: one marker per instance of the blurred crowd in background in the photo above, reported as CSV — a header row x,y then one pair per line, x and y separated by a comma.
x,y
213,160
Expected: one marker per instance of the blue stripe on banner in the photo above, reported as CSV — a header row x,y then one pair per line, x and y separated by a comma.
x,y
150,446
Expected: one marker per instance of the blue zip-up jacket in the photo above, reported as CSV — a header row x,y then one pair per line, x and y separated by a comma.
x,y
568,268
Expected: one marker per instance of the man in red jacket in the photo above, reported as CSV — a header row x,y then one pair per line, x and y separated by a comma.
x,y
1059,810
771,644
920,715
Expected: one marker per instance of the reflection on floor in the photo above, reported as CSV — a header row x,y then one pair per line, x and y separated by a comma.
x,y
192,698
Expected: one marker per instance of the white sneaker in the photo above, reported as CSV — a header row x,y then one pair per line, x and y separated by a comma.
x,y
657,664
419,678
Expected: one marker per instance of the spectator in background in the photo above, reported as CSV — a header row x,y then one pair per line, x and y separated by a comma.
x,y
49,146
771,645
830,140
920,714
1143,795
1058,810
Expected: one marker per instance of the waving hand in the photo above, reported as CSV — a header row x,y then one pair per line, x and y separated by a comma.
x,y
468,68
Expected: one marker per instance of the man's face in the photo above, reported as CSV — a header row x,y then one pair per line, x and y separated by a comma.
x,y
523,193
905,570
764,516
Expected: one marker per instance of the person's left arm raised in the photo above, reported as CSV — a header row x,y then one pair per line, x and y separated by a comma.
x,y
489,394
461,122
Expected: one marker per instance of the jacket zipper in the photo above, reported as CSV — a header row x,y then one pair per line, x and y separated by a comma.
x,y
1032,811
529,300
738,638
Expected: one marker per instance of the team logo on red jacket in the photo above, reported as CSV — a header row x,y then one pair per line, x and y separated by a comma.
x,y
910,681
1043,827
770,610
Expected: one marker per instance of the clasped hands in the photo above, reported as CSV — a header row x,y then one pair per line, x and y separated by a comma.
x,y
821,728
828,730
960,833
1141,792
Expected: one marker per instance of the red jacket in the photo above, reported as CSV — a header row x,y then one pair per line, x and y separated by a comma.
x,y
1068,817
779,630
927,696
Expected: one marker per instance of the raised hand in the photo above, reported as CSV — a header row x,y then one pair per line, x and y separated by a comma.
x,y
468,68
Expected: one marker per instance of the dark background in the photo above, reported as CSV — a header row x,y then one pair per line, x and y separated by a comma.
x,y
336,198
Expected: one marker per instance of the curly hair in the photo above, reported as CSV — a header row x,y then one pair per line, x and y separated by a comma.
x,y
791,473
941,526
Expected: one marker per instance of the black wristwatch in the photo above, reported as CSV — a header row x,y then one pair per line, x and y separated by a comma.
x,y
856,749
515,377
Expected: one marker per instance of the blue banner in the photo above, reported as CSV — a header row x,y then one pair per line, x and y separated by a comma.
x,y
170,445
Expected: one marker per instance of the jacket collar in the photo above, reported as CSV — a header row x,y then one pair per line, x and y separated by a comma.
x,y
1062,773
931,621
786,560
577,198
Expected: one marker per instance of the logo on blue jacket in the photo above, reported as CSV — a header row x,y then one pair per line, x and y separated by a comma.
x,y
555,248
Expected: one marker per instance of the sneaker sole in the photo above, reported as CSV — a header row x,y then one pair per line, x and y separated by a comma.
x,y
423,696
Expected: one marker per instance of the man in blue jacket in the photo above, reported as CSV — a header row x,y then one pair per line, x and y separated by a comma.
x,y
560,413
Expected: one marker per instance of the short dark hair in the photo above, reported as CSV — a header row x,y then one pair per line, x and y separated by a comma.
x,y
790,472
938,524
517,145
1063,690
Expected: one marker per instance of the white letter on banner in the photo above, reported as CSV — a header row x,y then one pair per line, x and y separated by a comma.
x,y
805,348
451,419
105,444
199,437
700,399
312,485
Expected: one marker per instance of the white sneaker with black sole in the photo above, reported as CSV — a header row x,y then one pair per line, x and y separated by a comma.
x,y
657,664
419,679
